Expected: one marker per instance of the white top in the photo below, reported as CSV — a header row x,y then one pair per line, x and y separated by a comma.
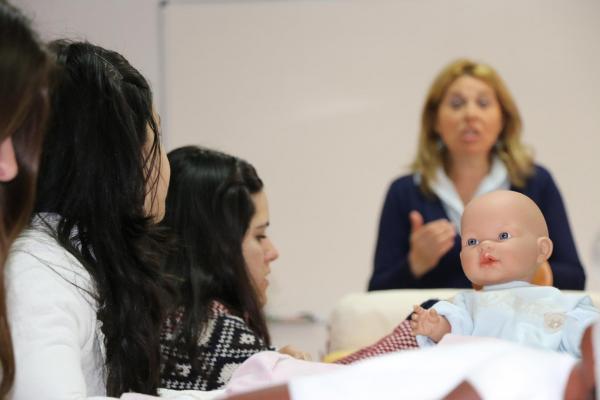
x,y
538,316
58,344
443,187
57,340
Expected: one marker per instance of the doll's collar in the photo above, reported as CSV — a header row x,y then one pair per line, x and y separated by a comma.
x,y
507,285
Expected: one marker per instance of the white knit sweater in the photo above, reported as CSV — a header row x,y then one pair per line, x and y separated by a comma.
x,y
58,344
57,341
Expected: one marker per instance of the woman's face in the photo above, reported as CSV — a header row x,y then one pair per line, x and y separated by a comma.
x,y
8,161
469,118
164,176
156,193
257,248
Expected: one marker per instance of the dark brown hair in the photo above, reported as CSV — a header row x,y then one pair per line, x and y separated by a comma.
x,y
24,71
100,152
209,209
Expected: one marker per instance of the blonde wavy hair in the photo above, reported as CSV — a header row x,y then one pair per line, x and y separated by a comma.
x,y
511,151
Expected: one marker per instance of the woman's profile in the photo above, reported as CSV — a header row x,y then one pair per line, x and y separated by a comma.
x,y
83,281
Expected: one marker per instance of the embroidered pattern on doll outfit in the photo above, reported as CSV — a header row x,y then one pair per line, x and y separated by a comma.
x,y
553,321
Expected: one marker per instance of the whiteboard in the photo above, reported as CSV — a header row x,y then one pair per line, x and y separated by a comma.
x,y
324,98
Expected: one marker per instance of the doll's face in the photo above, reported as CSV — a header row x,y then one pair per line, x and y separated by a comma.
x,y
501,239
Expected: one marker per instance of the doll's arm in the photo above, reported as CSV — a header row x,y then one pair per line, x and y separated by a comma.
x,y
577,320
429,323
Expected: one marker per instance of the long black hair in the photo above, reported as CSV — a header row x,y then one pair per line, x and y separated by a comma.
x,y
25,70
209,208
95,174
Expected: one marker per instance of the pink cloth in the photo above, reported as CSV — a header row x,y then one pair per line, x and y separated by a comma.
x,y
269,368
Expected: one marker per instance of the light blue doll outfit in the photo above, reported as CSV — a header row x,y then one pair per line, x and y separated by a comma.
x,y
538,316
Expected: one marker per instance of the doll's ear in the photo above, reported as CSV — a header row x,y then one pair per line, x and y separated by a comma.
x,y
545,247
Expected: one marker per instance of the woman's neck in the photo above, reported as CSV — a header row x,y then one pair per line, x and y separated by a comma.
x,y
466,174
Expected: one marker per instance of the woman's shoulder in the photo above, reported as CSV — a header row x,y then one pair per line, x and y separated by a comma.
x,y
404,184
541,187
540,180
219,310
36,259
540,172
34,239
223,318
43,280
219,315
40,247
407,180
540,176
406,193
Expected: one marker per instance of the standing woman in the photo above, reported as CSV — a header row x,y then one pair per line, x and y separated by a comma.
x,y
83,283
218,209
470,144
24,71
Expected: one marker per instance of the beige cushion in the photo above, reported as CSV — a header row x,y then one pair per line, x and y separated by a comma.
x,y
360,319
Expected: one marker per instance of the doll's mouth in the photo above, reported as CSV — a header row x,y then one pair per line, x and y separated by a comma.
x,y
487,260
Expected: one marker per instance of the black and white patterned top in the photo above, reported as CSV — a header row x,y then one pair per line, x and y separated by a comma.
x,y
226,343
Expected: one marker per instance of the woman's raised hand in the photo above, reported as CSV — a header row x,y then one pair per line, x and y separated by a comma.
x,y
428,243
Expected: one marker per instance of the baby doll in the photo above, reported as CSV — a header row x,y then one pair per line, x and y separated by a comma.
x,y
504,240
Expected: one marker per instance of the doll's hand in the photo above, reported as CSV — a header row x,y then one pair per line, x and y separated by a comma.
x,y
428,243
300,355
429,323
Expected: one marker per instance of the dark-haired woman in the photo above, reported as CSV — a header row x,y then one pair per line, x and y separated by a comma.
x,y
84,289
24,71
217,207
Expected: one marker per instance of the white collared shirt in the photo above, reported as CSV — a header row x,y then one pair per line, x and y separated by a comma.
x,y
443,187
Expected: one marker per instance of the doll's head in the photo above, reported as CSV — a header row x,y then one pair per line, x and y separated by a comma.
x,y
504,238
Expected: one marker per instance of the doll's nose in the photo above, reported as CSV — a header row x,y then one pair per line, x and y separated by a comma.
x,y
485,245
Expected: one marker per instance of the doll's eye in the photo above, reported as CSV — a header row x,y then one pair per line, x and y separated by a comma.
x,y
504,236
472,242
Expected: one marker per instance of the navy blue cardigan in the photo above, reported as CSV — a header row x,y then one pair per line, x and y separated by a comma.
x,y
391,254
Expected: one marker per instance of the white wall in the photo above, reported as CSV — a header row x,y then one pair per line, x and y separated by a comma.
x,y
130,27
324,98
